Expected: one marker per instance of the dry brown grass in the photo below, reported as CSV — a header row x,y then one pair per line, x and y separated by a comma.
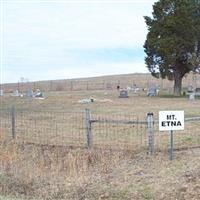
x,y
49,172
44,172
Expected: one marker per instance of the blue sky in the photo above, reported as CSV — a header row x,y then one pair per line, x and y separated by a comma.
x,y
46,39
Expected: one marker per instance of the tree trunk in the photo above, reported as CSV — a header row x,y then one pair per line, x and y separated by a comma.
x,y
177,83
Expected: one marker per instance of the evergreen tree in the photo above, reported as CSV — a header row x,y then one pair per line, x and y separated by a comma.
x,y
172,45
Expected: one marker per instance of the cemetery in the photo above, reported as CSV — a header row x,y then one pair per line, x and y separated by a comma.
x,y
92,133
84,134
37,94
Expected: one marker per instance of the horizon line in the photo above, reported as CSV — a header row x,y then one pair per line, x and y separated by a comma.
x,y
77,78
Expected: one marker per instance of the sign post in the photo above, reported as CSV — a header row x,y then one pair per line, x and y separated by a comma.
x,y
171,153
171,121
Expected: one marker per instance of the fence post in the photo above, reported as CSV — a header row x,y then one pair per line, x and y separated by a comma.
x,y
150,132
88,128
13,115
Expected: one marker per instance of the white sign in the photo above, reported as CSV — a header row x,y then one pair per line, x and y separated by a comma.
x,y
171,120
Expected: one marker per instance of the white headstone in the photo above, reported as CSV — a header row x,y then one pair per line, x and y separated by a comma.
x,y
38,93
1,92
152,91
15,93
192,96
190,89
29,93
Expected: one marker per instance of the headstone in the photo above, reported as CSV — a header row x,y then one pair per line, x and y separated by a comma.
x,y
123,94
1,92
38,94
192,96
29,93
15,93
135,89
90,100
128,88
197,91
153,91
190,89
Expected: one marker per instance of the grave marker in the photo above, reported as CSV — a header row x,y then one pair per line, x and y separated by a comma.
x,y
39,94
190,89
153,91
197,91
29,93
123,94
192,96
1,92
15,93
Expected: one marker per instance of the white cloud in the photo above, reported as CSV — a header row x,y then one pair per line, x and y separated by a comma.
x,y
38,32
83,25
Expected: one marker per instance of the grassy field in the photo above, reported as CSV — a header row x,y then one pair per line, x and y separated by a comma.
x,y
43,172
60,116
106,102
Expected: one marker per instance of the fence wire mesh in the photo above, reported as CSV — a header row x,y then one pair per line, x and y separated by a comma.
x,y
120,131
5,122
187,138
46,127
70,129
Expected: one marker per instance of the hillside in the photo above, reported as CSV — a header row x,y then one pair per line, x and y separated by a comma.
x,y
100,83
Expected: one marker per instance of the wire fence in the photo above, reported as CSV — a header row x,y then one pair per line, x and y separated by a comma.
x,y
92,130
44,127
187,138
63,128
118,131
